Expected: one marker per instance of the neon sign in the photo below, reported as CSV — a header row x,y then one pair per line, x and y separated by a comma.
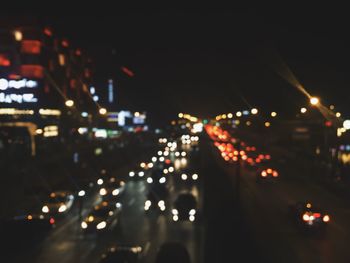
x,y
19,98
17,84
10,85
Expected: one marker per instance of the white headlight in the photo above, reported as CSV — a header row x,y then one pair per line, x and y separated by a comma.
x,y
118,205
149,180
141,174
192,212
161,203
161,159
183,154
103,191
162,208
165,171
191,218
175,218
160,153
62,208
115,192
174,212
45,209
154,159
146,208
194,176
131,174
177,154
150,165
84,225
148,203
171,169
99,181
101,225
81,193
184,176
162,180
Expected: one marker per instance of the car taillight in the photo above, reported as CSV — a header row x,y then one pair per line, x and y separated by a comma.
x,y
269,170
326,219
52,221
317,215
275,174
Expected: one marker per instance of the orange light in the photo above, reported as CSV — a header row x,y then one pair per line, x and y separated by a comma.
x,y
31,47
244,157
227,158
235,159
30,217
263,174
269,170
167,161
267,157
275,174
235,153
242,153
326,218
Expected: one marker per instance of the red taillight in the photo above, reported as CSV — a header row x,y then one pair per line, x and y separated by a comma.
x,y
269,170
317,215
167,161
52,221
275,174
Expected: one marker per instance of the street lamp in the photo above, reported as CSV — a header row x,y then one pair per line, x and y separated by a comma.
x,y
338,114
238,114
102,111
314,101
69,103
273,114
303,110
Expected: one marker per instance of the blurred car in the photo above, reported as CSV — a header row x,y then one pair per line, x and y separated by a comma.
x,y
124,254
157,177
59,202
309,216
156,198
173,252
266,174
23,232
137,173
188,175
111,188
185,207
100,218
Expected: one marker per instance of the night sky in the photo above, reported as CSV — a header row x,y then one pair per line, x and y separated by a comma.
x,y
207,62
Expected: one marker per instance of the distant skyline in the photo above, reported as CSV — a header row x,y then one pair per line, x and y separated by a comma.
x,y
208,62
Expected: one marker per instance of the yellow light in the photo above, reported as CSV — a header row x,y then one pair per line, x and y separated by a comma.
x,y
254,111
61,60
69,103
230,115
237,122
18,35
180,115
273,114
238,114
338,114
267,124
308,205
13,111
30,217
102,111
223,116
49,112
303,110
314,101
39,131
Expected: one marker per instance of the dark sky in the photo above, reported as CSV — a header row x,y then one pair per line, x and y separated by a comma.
x,y
211,61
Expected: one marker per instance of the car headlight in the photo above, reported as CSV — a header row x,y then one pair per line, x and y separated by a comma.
x,y
62,208
306,217
191,218
175,217
162,180
326,218
101,225
118,205
99,181
141,174
174,212
115,192
131,174
162,208
84,225
195,176
192,212
45,209
184,176
81,193
149,180
161,203
103,191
